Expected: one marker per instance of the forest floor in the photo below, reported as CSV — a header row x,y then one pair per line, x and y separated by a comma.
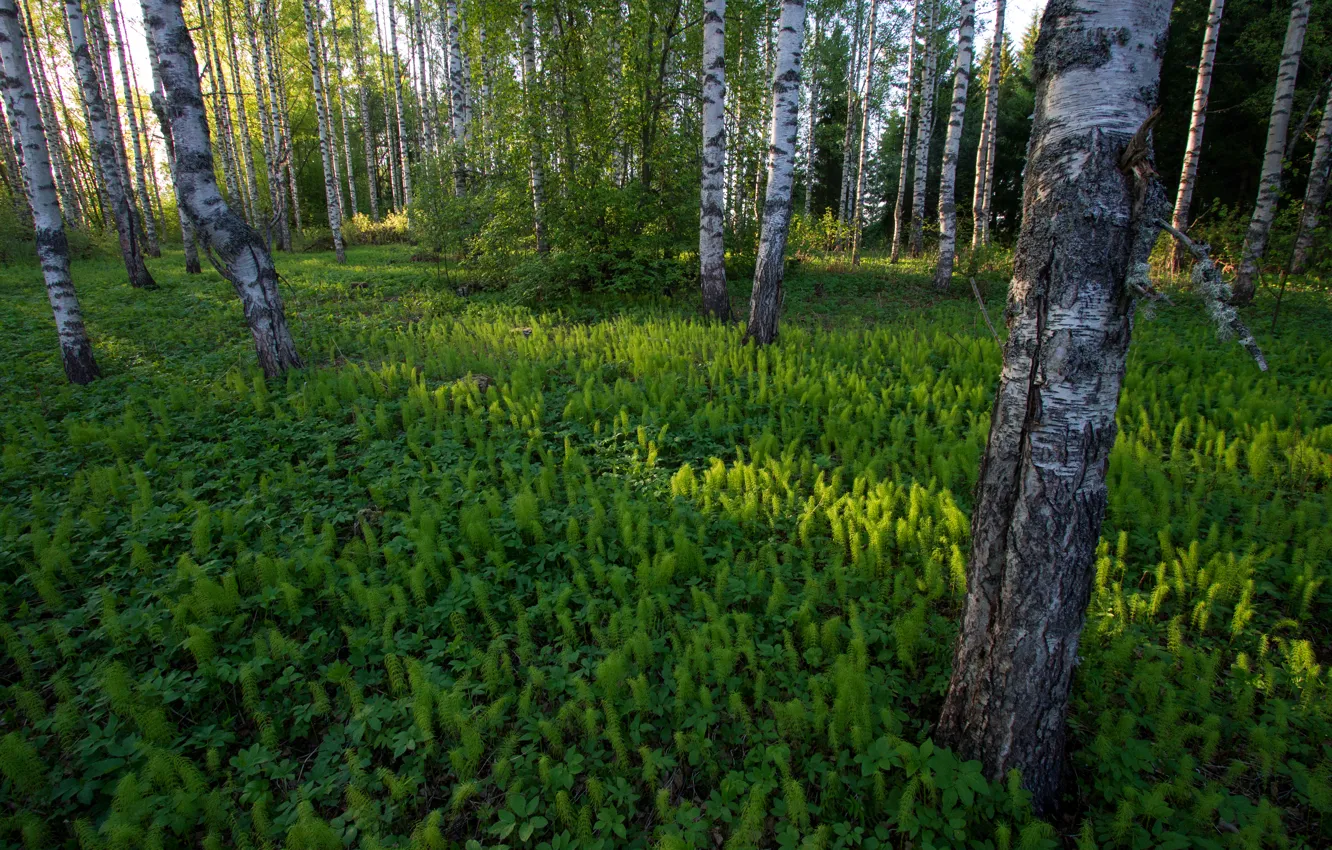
x,y
598,575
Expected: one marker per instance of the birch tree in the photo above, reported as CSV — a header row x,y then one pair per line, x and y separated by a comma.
x,y
858,207
924,131
137,143
241,256
459,113
276,214
1269,183
403,160
812,84
535,152
899,207
943,273
325,96
1315,193
104,141
711,247
765,303
341,91
1087,227
849,135
251,184
1188,173
980,196
367,120
325,148
189,241
49,229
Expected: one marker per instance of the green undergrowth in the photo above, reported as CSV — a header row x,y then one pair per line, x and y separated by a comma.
x,y
591,578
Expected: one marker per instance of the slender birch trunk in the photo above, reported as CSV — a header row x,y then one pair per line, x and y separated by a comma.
x,y
765,304
325,148
137,144
251,184
52,248
858,208
105,142
711,244
326,98
275,214
1269,183
812,117
14,179
849,136
1188,174
980,196
899,207
65,187
390,116
1087,230
924,132
284,118
366,119
404,160
280,149
423,78
536,154
1315,193
188,238
243,258
943,273
221,110
341,93
98,43
460,113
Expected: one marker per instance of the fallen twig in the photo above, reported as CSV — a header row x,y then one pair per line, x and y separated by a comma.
x,y
985,314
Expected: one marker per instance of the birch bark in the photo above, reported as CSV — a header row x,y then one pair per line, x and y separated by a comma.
x,y
341,92
137,143
536,154
241,255
765,304
404,161
857,214
326,97
924,132
943,273
366,119
711,245
810,148
980,196
52,248
899,207
1315,193
849,135
244,142
1269,183
459,113
1188,173
325,152
188,238
1086,228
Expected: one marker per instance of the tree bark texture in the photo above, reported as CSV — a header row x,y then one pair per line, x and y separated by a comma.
x,y
137,143
924,132
858,206
1315,193
966,33
899,207
1188,173
188,238
404,161
711,246
325,148
341,92
980,196
366,119
536,154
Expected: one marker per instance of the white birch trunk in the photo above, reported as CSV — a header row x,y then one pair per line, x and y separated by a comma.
x,y
1269,183
711,245
241,255
244,142
858,208
765,304
52,248
943,273
459,113
188,238
899,207
1087,227
810,148
329,126
283,114
1315,193
404,162
95,32
59,155
536,154
366,119
222,111
1188,173
980,196
277,151
140,173
273,178
849,135
325,151
341,92
924,132
105,142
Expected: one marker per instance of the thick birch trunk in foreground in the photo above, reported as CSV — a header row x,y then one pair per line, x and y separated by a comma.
x,y
243,258
1269,184
366,119
104,142
899,207
1188,174
857,207
137,143
1315,193
1041,496
49,228
325,148
711,247
765,305
943,272
980,196
536,155
924,132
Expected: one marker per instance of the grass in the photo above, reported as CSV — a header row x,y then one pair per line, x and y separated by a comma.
x,y
600,576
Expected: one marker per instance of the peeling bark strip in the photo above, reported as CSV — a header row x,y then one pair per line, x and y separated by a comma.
x,y
711,247
980,197
104,141
924,131
1188,173
242,257
52,249
325,146
943,273
1316,192
899,207
765,304
1041,495
1269,183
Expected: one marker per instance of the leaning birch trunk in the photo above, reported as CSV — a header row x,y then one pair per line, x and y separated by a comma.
x,y
858,206
321,112
104,141
711,246
188,238
1315,193
137,144
1188,174
765,304
1087,230
980,196
458,100
899,207
1269,184
943,272
403,161
366,119
48,226
241,255
341,92
536,155
924,131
